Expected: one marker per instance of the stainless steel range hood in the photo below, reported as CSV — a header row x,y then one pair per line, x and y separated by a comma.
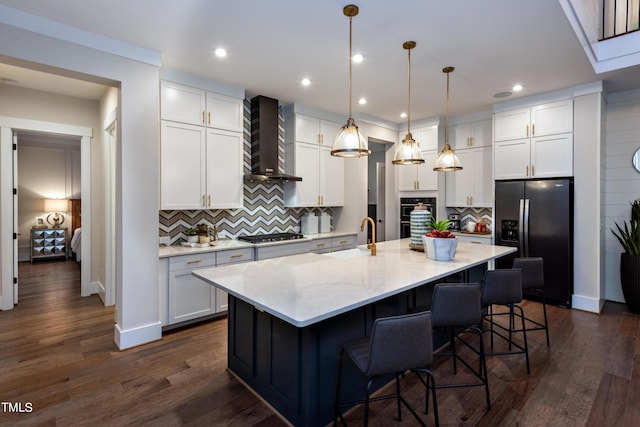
x,y
264,142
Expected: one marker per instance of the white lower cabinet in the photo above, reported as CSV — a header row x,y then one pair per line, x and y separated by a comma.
x,y
282,249
333,244
186,297
190,297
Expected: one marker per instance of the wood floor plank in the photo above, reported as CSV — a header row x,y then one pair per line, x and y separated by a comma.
x,y
58,354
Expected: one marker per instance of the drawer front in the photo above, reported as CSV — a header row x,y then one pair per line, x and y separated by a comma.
x,y
286,249
320,244
343,242
477,240
183,262
234,255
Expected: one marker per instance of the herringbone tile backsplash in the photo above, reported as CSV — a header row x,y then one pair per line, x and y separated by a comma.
x,y
263,211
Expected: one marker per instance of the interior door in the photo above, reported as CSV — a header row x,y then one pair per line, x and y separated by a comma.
x,y
381,205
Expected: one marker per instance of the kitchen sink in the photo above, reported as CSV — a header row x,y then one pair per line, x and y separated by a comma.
x,y
350,253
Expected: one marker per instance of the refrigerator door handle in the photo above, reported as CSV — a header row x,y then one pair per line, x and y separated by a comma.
x,y
526,227
521,228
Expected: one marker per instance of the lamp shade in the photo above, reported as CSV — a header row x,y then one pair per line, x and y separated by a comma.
x,y
56,205
447,161
349,142
408,152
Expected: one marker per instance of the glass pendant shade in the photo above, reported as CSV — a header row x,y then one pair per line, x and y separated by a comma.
x,y
408,152
447,160
349,142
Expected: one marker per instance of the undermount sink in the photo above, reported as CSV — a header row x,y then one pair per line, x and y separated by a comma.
x,y
350,253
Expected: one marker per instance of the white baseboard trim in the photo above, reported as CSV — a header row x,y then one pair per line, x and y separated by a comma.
x,y
581,302
94,287
125,339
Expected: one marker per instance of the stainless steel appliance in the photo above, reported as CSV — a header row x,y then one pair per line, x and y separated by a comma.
x,y
536,216
273,237
407,204
455,221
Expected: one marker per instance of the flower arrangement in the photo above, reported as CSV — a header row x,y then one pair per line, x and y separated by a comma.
x,y
440,229
440,244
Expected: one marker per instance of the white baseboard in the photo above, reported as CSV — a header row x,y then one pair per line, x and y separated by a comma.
x,y
581,302
125,339
94,287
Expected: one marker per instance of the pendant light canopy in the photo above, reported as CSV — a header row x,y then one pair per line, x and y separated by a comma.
x,y
447,160
408,152
349,142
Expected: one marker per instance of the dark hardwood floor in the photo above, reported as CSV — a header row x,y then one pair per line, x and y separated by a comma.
x,y
60,367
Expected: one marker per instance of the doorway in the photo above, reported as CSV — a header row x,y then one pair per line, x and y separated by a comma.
x,y
376,183
9,127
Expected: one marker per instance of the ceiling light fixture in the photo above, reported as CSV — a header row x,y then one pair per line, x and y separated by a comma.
x,y
305,82
408,152
357,58
362,101
220,52
447,160
517,88
349,142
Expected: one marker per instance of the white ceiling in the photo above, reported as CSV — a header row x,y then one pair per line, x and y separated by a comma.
x,y
273,44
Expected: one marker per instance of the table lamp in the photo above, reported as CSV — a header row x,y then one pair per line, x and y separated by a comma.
x,y
56,207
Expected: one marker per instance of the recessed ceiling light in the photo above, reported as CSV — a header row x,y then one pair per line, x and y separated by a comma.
x,y
305,82
357,58
362,101
517,88
502,94
220,52
403,115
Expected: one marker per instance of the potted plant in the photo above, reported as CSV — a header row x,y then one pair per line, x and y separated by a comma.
x,y
192,235
440,244
629,238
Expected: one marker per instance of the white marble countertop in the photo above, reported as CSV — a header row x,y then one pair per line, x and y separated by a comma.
x,y
225,244
308,288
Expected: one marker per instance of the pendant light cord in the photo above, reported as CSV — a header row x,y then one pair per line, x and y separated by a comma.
x,y
350,61
446,122
409,97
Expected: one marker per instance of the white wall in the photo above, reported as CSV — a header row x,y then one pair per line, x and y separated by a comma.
x,y
622,181
136,240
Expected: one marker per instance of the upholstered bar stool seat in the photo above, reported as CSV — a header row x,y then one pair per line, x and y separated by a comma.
x,y
504,287
397,344
533,282
457,307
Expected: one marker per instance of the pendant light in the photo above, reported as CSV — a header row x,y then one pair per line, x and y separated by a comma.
x,y
349,142
408,152
447,160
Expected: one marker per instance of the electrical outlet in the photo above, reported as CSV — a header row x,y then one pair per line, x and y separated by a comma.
x,y
164,240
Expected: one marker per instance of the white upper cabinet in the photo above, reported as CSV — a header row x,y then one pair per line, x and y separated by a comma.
x,y
308,155
224,170
474,134
473,185
534,142
186,104
420,177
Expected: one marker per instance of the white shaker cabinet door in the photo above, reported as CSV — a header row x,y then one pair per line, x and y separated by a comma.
x,y
511,159
513,124
331,178
224,112
307,129
224,169
457,182
480,179
182,166
180,103
552,156
427,178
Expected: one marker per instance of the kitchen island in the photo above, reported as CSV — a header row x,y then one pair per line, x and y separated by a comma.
x,y
288,316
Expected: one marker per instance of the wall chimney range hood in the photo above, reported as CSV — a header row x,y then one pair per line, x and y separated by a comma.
x,y
264,142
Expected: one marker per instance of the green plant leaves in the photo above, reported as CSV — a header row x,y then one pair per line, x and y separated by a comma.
x,y
629,236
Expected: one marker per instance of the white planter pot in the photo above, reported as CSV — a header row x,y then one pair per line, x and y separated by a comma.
x,y
192,239
440,249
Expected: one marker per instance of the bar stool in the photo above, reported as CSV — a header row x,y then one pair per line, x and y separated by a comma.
x,y
457,307
504,287
397,344
533,281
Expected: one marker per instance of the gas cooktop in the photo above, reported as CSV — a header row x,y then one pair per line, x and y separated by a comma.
x,y
273,237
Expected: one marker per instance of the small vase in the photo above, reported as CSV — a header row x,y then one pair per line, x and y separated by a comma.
x,y
440,249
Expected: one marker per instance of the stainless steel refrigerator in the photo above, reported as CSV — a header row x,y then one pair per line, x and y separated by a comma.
x,y
536,216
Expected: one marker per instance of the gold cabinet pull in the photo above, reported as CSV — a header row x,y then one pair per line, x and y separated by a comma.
x,y
237,256
194,261
204,203
471,200
343,241
533,132
526,168
209,200
209,117
527,131
532,171
319,245
203,117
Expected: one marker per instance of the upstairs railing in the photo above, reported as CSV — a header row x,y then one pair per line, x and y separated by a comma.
x,y
619,17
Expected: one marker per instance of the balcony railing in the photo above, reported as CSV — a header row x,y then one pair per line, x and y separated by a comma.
x,y
619,17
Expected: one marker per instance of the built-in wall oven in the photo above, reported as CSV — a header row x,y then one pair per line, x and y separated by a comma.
x,y
407,204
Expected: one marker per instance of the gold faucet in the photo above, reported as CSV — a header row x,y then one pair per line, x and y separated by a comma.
x,y
371,243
